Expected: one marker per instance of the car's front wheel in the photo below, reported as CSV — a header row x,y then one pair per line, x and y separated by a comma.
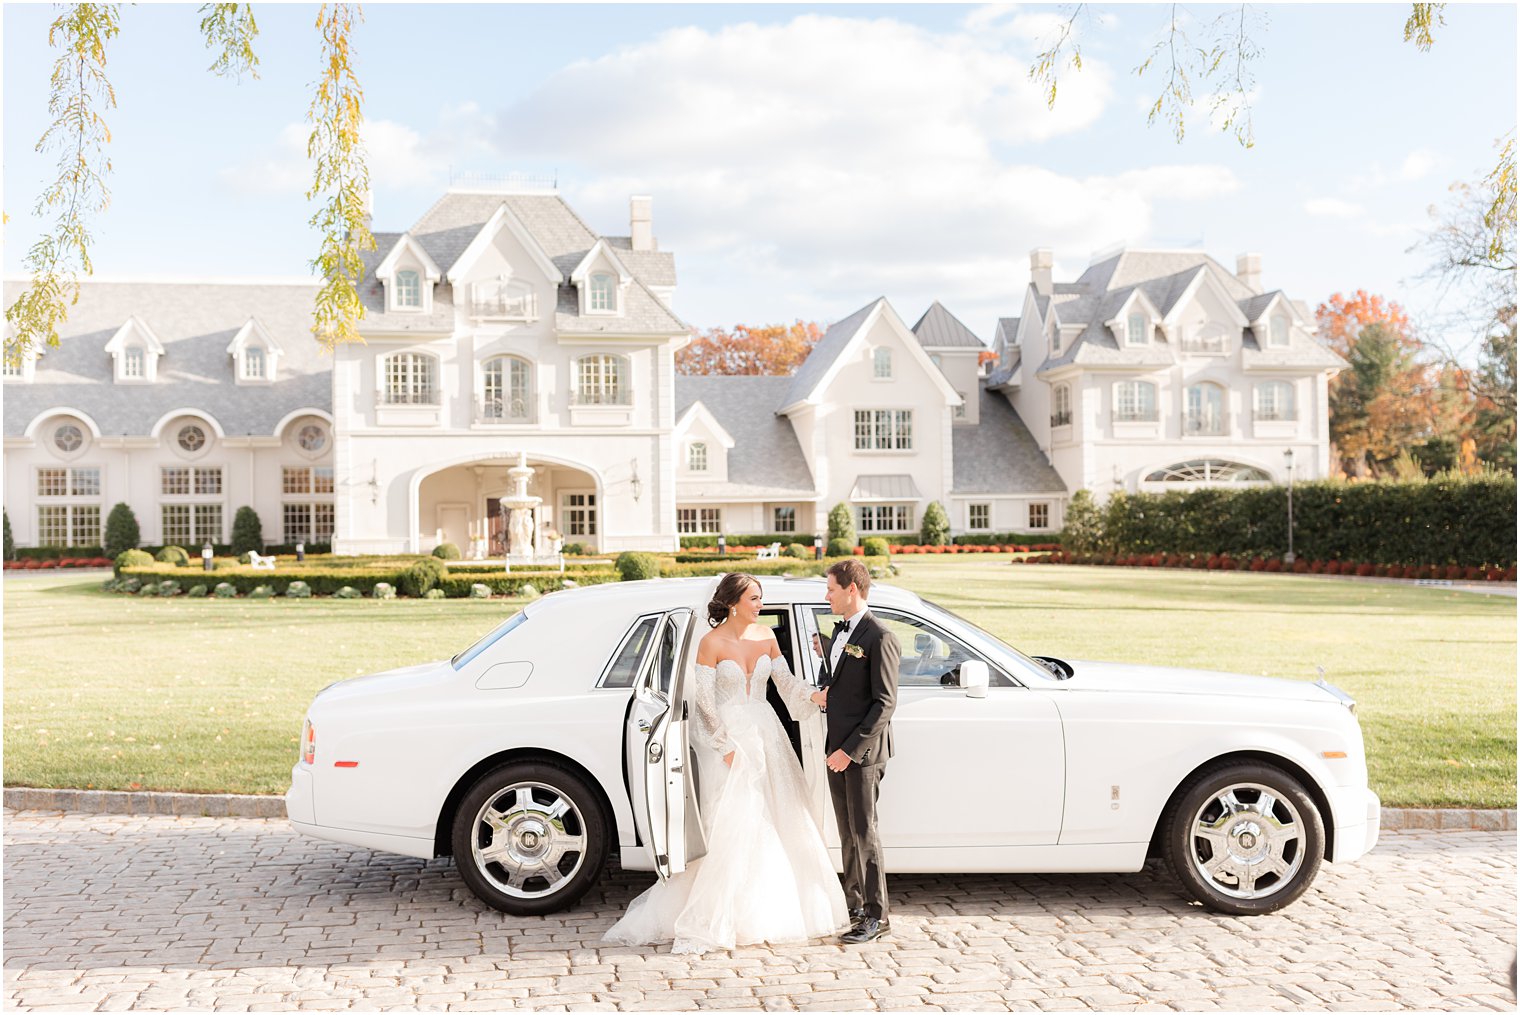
x,y
530,838
1243,839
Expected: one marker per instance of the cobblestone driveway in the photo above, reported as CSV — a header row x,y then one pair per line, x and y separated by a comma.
x,y
115,912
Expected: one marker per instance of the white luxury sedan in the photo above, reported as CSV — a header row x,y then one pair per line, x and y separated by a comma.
x,y
562,735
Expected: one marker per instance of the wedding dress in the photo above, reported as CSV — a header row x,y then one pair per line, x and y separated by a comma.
x,y
766,876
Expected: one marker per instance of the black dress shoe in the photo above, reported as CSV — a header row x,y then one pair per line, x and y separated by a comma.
x,y
868,929
857,914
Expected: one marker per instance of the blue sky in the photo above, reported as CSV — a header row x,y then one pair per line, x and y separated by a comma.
x,y
803,159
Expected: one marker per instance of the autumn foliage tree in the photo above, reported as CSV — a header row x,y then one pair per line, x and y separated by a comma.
x,y
771,350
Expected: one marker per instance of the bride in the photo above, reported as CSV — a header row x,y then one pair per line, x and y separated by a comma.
x,y
766,876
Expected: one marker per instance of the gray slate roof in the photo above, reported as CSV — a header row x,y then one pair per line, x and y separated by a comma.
x,y
999,455
372,295
196,323
766,460
940,329
825,353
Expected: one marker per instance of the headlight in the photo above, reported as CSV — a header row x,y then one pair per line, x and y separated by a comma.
x,y
309,743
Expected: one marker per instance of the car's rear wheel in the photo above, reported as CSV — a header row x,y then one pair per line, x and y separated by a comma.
x,y
530,838
1243,839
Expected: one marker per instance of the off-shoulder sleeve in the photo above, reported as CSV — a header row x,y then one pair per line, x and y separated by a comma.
x,y
710,726
795,691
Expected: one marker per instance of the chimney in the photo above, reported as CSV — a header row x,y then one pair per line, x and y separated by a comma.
x,y
1040,261
1248,270
641,222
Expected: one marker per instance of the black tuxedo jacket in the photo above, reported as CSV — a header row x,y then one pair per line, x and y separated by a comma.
x,y
862,693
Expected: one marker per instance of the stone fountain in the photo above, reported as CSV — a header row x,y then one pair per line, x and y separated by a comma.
x,y
520,508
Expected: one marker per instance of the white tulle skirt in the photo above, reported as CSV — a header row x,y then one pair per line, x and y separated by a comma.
x,y
767,876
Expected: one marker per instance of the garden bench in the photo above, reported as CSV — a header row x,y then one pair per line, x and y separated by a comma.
x,y
260,562
772,552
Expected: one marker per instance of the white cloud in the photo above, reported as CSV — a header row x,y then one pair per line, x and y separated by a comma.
x,y
1419,164
1333,207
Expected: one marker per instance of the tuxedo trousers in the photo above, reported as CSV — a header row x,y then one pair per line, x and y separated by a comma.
x,y
854,792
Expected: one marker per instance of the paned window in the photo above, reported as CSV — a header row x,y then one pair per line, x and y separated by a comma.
x,y
308,523
1279,333
1134,401
1060,405
1208,470
699,521
602,298
886,517
80,482
1274,401
9,368
602,380
506,388
784,519
134,362
68,525
979,516
301,479
881,363
253,363
1204,412
183,480
1039,516
578,514
191,524
883,429
411,378
696,457
408,289
1136,333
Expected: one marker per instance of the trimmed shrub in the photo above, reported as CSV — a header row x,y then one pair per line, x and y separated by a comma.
x,y
224,590
169,588
197,592
148,589
503,584
131,558
446,551
840,547
579,549
10,544
875,546
298,590
935,529
262,592
224,563
129,585
348,592
638,566
383,590
841,525
796,550
121,530
247,531
756,539
175,555
480,591
433,594
421,576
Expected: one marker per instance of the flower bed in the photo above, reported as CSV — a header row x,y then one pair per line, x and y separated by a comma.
x,y
37,564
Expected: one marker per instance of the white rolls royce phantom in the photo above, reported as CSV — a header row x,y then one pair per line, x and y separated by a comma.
x,y
562,736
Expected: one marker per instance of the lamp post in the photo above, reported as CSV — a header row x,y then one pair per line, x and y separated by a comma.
x,y
1288,460
300,551
817,547
206,554
722,546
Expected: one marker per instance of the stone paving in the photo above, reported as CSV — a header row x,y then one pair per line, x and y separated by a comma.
x,y
115,912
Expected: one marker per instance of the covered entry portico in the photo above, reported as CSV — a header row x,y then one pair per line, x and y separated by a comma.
x,y
462,503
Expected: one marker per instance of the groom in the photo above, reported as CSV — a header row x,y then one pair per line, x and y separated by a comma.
x,y
860,682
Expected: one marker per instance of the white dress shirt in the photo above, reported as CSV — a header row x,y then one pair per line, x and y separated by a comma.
x,y
837,648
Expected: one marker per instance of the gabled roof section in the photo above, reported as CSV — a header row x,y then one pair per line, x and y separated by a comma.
x,y
504,218
823,362
1006,333
766,461
999,455
1255,308
250,332
644,313
940,329
697,412
408,244
1197,279
600,250
135,325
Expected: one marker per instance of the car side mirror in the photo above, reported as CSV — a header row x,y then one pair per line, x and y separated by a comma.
x,y
974,678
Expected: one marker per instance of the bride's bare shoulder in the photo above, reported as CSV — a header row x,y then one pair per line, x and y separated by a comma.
x,y
707,648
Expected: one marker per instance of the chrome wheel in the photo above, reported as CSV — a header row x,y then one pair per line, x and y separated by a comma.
x,y
529,840
1247,841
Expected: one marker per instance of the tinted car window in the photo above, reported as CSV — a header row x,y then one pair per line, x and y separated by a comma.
x,y
625,666
928,653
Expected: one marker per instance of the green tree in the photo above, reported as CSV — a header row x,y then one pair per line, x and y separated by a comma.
x,y
1083,532
935,529
121,531
247,531
10,544
841,524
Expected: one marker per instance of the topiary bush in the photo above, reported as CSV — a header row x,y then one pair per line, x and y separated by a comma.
x,y
421,576
348,592
197,592
384,590
298,590
433,594
875,546
935,529
261,592
446,551
247,531
841,526
10,544
225,563
840,547
796,550
148,589
479,591
635,567
175,555
224,590
131,558
574,549
121,531
169,588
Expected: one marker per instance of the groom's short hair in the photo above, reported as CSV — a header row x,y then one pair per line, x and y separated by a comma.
x,y
847,572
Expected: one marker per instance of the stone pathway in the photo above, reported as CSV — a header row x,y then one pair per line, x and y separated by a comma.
x,y
115,912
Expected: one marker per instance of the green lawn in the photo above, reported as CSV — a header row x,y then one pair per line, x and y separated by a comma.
x,y
115,692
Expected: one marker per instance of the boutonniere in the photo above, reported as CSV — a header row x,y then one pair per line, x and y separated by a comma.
x,y
852,649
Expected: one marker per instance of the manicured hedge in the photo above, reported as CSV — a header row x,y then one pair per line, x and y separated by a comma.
x,y
997,538
1275,565
763,539
503,584
1449,521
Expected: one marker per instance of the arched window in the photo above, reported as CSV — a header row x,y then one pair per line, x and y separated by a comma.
x,y
602,380
1208,470
1203,412
1134,402
1137,332
1279,335
1274,400
602,295
507,389
696,457
408,289
1060,405
411,378
881,363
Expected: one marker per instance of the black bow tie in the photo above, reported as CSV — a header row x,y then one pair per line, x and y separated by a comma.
x,y
844,626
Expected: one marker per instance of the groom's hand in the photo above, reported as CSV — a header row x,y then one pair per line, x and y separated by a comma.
x,y
820,698
838,761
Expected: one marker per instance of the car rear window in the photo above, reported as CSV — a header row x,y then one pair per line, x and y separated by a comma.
x,y
499,631
625,665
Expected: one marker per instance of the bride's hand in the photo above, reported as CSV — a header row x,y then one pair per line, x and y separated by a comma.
x,y
820,698
728,759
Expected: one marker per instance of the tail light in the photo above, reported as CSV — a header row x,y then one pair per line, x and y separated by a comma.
x,y
309,743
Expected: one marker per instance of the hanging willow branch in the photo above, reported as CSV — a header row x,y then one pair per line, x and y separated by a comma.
x,y
78,133
341,178
229,30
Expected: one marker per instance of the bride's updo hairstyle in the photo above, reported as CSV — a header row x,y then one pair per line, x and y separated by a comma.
x,y
731,588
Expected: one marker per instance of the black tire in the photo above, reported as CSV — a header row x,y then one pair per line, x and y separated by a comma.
x,y
516,882
1280,857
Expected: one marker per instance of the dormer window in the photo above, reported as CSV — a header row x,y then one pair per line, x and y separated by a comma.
x,y
255,354
1278,335
602,297
253,364
696,457
881,364
14,369
134,363
408,290
1136,331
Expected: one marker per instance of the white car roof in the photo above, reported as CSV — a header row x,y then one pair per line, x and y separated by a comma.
x,y
667,593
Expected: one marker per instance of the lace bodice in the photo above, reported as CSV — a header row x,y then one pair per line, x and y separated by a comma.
x,y
725,685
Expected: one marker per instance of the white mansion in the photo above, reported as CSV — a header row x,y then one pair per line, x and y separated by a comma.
x,y
501,325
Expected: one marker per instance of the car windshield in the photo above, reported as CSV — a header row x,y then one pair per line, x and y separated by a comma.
x,y
1019,663
463,658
